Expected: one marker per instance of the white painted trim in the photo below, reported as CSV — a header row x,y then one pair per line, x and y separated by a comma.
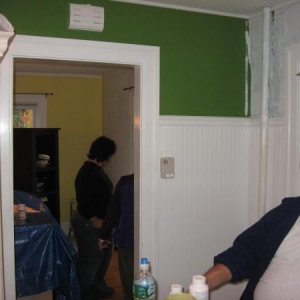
x,y
278,122
293,115
207,121
65,227
58,74
146,62
263,166
185,8
217,121
4,39
6,153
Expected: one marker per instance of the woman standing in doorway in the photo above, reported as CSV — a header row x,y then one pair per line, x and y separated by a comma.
x,y
93,193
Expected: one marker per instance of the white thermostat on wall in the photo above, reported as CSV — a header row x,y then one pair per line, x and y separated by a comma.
x,y
167,169
86,17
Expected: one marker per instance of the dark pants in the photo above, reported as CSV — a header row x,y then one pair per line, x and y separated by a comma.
x,y
92,262
126,260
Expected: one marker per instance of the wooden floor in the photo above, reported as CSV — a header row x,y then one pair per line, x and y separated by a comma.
x,y
112,277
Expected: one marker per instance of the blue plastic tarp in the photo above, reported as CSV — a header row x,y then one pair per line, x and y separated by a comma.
x,y
44,256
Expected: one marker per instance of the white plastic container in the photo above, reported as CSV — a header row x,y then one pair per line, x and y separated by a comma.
x,y
198,288
21,212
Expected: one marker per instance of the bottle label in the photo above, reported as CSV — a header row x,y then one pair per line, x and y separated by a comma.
x,y
200,295
199,292
144,292
21,211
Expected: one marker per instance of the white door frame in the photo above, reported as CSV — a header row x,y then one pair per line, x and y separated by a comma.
x,y
145,60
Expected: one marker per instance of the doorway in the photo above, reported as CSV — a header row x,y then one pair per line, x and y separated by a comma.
x,y
145,60
107,103
83,100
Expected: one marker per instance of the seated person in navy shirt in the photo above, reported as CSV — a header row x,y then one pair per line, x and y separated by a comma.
x,y
267,254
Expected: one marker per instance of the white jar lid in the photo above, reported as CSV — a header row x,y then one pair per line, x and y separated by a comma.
x,y
199,279
176,288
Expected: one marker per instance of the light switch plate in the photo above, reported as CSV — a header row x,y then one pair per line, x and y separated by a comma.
x,y
167,167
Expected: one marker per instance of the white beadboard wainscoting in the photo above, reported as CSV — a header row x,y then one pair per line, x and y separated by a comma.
x,y
214,194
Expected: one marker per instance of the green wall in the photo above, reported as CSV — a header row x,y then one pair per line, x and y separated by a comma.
x,y
202,56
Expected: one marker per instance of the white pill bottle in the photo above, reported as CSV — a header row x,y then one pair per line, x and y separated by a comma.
x,y
198,288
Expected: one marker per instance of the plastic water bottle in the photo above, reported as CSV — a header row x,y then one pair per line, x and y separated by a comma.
x,y
144,286
198,288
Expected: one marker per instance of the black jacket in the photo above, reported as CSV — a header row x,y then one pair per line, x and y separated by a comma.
x,y
93,191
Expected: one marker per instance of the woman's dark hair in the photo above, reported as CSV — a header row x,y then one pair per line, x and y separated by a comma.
x,y
102,149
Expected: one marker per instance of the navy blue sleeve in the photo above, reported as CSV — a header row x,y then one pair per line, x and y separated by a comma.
x,y
242,258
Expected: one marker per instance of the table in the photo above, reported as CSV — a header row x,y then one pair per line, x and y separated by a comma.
x,y
44,256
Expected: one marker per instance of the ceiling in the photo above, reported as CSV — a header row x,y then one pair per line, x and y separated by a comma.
x,y
237,8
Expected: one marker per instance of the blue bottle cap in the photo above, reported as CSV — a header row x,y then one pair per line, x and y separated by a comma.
x,y
144,260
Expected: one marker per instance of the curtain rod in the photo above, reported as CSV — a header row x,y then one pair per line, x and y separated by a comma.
x,y
46,94
128,88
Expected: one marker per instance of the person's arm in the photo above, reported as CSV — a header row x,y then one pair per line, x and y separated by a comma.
x,y
97,222
113,213
216,276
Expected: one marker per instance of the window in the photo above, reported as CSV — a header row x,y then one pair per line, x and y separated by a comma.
x,y
24,116
30,110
